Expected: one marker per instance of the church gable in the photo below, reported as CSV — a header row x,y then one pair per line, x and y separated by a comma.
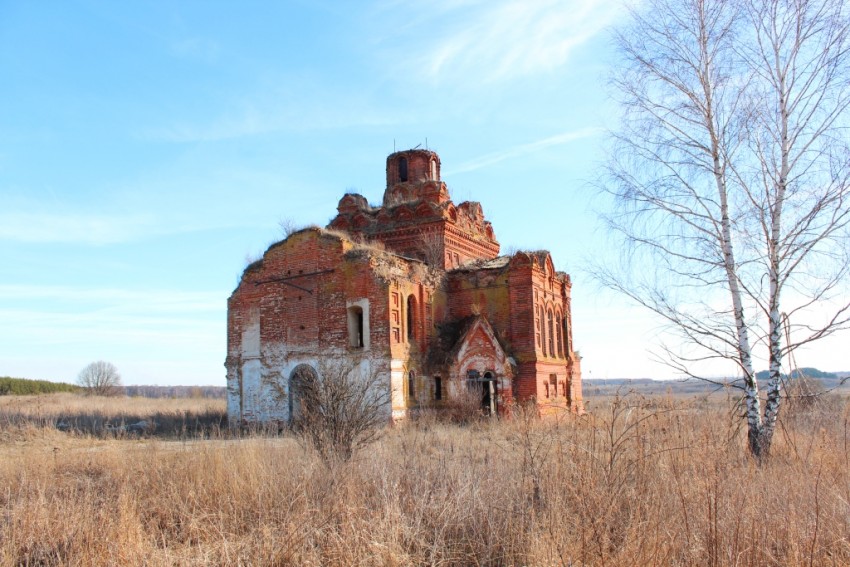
x,y
478,349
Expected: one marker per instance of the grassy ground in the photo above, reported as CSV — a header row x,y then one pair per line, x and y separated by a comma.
x,y
657,481
109,416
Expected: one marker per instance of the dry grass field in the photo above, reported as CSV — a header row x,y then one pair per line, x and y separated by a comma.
x,y
658,481
96,415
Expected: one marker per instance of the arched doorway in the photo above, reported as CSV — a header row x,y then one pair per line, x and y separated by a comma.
x,y
486,387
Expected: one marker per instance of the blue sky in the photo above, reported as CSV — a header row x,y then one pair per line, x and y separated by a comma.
x,y
147,149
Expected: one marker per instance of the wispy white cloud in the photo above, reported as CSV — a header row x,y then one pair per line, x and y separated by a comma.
x,y
310,107
139,301
491,40
100,228
196,48
248,122
523,149
198,194
443,42
113,318
52,330
104,328
89,228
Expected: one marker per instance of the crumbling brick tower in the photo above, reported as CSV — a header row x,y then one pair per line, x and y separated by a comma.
x,y
418,218
414,289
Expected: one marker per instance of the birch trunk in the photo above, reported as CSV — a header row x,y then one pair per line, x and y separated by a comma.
x,y
731,176
745,359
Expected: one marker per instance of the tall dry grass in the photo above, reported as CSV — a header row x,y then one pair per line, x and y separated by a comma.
x,y
106,416
637,482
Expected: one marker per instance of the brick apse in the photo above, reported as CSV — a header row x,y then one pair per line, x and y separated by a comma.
x,y
413,291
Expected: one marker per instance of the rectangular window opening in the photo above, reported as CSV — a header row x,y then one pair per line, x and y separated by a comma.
x,y
358,324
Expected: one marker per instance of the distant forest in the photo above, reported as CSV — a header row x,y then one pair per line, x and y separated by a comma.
x,y
610,386
26,387
176,391
800,372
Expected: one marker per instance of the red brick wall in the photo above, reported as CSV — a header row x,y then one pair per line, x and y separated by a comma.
x,y
508,297
310,319
418,166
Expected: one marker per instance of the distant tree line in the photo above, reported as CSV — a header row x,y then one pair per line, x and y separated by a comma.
x,y
24,387
27,387
800,373
217,392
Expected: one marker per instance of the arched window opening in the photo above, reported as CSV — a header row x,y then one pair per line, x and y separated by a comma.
x,y
438,388
550,333
538,313
402,169
559,325
411,385
434,169
411,317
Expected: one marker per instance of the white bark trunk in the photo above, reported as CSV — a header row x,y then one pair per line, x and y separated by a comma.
x,y
751,392
755,96
745,360
774,269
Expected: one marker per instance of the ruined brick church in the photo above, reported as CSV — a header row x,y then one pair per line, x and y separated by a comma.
x,y
414,292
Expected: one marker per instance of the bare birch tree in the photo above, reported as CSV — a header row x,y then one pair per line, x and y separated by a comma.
x,y
730,181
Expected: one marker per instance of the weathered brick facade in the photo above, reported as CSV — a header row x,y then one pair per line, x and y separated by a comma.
x,y
414,291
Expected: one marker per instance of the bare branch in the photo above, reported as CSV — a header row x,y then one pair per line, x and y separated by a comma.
x,y
100,378
342,409
729,181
